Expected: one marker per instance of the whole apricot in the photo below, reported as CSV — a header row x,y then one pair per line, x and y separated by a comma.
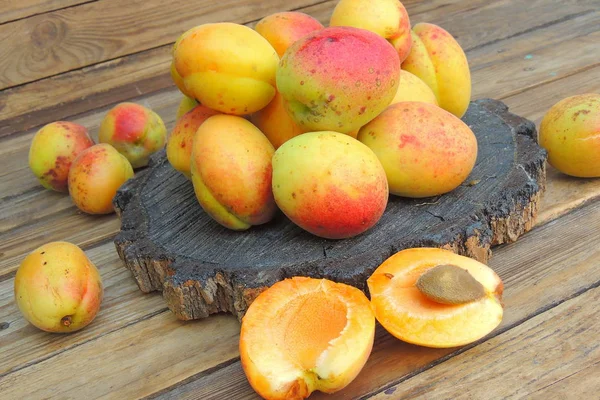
x,y
387,18
185,105
282,29
135,131
570,132
329,184
53,149
95,176
412,88
178,80
227,67
231,172
275,122
437,58
425,150
57,288
331,80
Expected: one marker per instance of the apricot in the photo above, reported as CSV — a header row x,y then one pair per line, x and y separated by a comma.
x,y
304,334
282,29
275,122
387,18
53,149
95,176
331,80
179,143
425,151
57,288
135,131
178,80
570,132
185,105
329,184
436,298
437,58
412,88
231,172
227,67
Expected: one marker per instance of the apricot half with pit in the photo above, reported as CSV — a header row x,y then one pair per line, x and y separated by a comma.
x,y
304,334
436,298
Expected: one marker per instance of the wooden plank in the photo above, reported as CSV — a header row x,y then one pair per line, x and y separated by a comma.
x,y
533,356
583,384
27,8
42,101
539,271
123,305
75,37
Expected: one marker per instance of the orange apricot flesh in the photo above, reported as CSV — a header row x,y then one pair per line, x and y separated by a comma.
x,y
304,334
405,312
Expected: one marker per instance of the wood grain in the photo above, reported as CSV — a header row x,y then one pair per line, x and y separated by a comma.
x,y
583,384
28,8
539,271
76,37
533,356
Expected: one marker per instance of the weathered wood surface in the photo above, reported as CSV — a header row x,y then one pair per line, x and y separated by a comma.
x,y
170,244
549,47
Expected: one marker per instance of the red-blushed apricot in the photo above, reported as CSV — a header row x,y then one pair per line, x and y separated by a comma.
x,y
570,132
180,141
95,176
282,29
329,184
275,122
186,104
231,172
331,80
412,88
57,288
135,131
304,334
227,67
425,150
437,58
409,314
387,18
53,149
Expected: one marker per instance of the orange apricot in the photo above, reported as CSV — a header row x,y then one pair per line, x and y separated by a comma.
x,y
304,334
436,298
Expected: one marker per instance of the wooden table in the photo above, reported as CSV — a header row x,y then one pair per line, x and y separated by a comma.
x,y
74,59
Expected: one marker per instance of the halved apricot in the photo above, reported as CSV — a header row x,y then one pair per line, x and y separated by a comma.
x,y
304,334
436,298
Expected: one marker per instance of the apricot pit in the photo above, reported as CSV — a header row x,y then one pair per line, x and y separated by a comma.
x,y
449,284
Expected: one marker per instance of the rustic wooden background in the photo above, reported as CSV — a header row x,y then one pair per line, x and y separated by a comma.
x,y
74,59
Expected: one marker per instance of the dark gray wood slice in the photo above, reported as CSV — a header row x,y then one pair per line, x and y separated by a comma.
x,y
170,244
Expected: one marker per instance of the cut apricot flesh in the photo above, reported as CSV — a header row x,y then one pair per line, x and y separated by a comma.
x,y
304,334
408,314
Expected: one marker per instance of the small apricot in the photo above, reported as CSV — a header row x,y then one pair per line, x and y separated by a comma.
x,y
282,29
570,132
186,104
304,334
95,176
436,298
57,288
275,122
412,88
52,151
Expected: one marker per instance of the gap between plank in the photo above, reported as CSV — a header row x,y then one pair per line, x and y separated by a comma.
x,y
49,11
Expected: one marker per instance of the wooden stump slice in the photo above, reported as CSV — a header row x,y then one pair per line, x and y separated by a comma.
x,y
170,244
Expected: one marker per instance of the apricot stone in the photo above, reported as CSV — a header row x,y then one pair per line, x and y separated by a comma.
x,y
437,58
329,184
425,151
412,88
57,288
331,80
570,132
304,334
53,149
275,122
410,315
227,67
282,29
95,176
135,131
231,172
387,18
180,142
